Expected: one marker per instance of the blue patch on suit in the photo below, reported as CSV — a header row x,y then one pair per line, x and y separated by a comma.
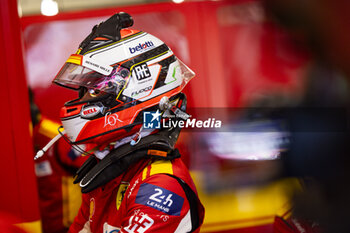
x,y
160,199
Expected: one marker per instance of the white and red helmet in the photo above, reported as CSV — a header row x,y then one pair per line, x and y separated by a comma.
x,y
119,73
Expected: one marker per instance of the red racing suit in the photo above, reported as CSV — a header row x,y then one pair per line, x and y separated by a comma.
x,y
145,198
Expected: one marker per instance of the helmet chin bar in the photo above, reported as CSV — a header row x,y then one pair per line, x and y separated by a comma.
x,y
74,146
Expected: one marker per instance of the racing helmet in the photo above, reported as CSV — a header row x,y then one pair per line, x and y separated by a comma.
x,y
119,73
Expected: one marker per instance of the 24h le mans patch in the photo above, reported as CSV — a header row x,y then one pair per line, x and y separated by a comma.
x,y
160,199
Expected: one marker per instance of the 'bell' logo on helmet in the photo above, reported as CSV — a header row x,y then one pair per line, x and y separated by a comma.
x,y
140,47
90,111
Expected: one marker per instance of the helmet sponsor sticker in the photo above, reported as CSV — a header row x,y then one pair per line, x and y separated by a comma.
x,y
141,72
143,80
97,66
141,47
142,90
90,111
111,119
160,199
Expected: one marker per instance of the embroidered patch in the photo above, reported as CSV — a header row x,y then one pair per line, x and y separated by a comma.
x,y
160,199
139,223
121,192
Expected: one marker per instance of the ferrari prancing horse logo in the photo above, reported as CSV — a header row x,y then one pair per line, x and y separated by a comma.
x,y
121,192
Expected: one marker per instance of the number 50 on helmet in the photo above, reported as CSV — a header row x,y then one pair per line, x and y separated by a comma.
x,y
119,73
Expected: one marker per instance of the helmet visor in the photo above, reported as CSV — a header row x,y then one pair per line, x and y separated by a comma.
x,y
75,76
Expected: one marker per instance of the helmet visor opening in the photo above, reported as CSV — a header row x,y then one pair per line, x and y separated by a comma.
x,y
75,76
